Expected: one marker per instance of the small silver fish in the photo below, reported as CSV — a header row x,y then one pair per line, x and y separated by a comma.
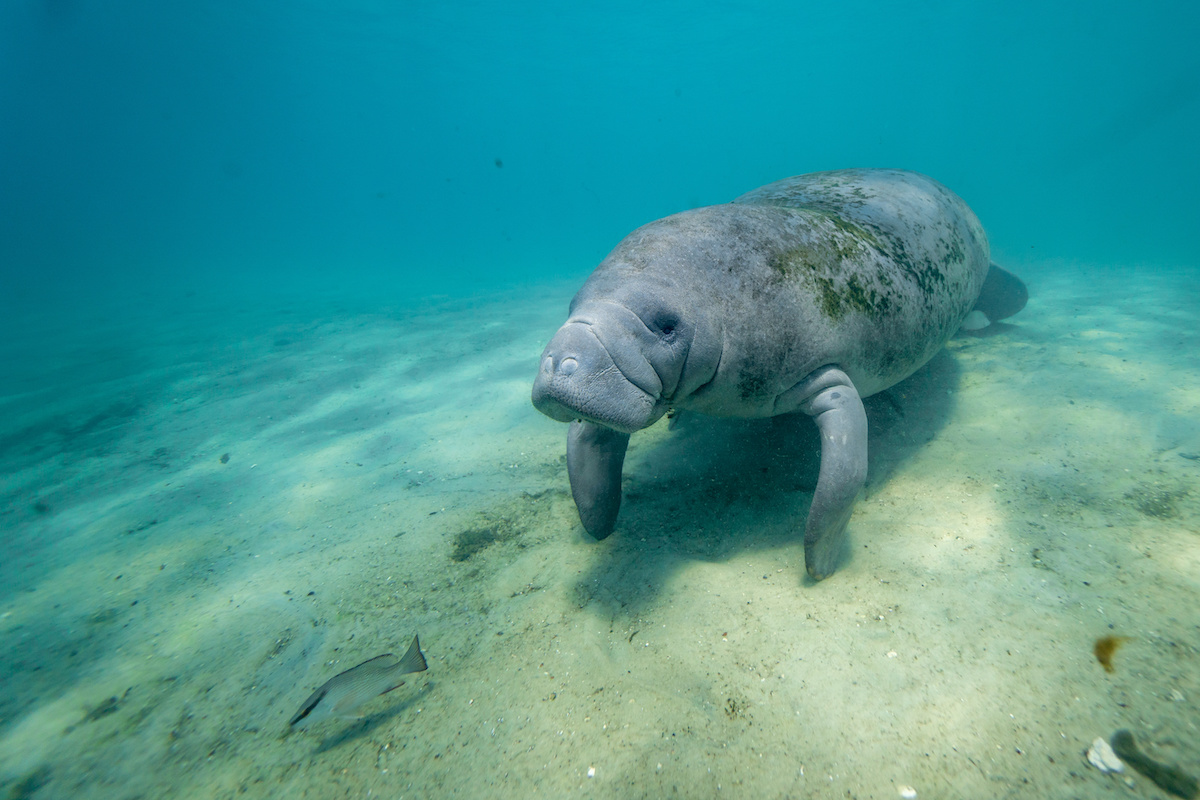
x,y
348,690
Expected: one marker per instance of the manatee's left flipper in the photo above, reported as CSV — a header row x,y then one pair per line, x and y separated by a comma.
x,y
595,456
833,403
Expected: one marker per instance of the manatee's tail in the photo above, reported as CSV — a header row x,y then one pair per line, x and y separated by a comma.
x,y
1003,295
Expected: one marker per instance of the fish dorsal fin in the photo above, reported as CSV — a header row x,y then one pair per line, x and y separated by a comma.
x,y
414,659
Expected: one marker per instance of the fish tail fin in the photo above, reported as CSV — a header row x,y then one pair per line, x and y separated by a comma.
x,y
413,660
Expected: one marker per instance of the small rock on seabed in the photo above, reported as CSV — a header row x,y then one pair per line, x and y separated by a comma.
x,y
1101,756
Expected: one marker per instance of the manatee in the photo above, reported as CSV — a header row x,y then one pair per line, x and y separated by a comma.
x,y
803,296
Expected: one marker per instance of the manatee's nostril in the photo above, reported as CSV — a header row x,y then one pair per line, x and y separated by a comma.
x,y
567,366
548,365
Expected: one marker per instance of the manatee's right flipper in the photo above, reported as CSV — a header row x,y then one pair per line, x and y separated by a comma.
x,y
595,455
833,403
1003,294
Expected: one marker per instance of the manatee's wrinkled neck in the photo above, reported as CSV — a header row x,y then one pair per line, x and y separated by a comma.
x,y
702,361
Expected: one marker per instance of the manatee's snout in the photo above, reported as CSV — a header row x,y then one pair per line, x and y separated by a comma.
x,y
579,378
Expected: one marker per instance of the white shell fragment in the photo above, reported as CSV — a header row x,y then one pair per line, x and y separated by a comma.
x,y
1101,756
908,792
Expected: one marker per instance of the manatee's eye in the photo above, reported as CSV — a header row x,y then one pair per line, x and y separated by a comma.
x,y
666,324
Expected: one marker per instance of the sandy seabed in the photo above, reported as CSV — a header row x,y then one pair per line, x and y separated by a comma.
x,y
208,509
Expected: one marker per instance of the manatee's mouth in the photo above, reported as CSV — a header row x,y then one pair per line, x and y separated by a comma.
x,y
580,379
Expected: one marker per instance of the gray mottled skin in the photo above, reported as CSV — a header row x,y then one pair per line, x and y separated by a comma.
x,y
802,296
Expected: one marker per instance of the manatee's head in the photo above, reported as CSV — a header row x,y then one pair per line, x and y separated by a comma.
x,y
618,361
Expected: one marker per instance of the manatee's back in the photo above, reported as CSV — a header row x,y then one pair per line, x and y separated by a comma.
x,y
889,261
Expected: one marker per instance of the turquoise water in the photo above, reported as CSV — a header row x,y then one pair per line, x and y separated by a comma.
x,y
274,282
147,142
